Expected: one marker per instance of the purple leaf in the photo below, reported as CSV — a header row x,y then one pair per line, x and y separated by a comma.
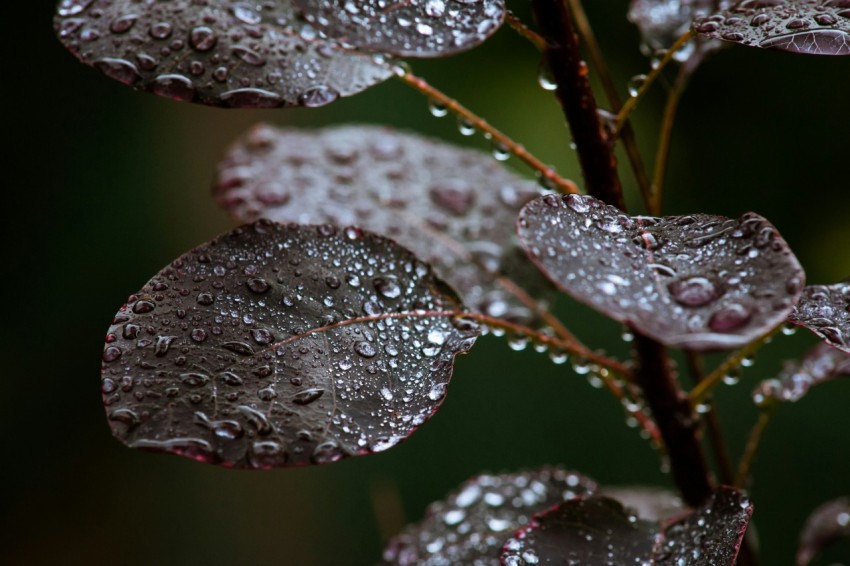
x,y
825,310
711,534
662,22
814,27
218,52
822,363
455,208
827,524
278,345
414,28
596,530
650,503
471,525
698,282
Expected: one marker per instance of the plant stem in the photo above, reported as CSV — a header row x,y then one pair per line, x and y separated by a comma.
x,y
546,172
701,391
675,419
753,442
632,102
665,136
627,136
715,433
562,55
524,31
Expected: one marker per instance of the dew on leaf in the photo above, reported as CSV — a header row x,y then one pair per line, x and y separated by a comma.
x,y
827,524
820,364
825,310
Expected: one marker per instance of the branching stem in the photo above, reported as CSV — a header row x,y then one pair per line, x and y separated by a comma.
x,y
524,31
546,173
753,442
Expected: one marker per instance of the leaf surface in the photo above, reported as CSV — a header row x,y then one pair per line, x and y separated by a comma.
x,y
827,524
812,27
650,503
825,310
471,525
662,22
596,530
455,208
218,52
698,282
413,28
278,345
822,363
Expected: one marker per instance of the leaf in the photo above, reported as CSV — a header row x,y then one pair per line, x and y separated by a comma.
x,y
454,208
596,530
662,22
827,524
698,282
825,310
414,28
278,345
822,363
471,525
217,52
650,503
813,27
712,534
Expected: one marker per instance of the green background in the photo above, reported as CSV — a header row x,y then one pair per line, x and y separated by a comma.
x,y
103,186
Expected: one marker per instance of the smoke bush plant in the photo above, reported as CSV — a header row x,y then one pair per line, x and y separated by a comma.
x,y
327,326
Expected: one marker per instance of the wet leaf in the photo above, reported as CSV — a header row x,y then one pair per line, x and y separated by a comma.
x,y
698,282
712,534
219,52
814,27
471,525
455,208
650,503
825,310
280,346
415,28
827,524
596,530
822,363
662,22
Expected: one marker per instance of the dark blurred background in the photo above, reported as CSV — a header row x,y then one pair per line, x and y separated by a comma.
x,y
105,185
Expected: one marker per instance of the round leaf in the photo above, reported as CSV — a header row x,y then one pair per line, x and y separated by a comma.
x,y
280,346
219,52
470,526
414,28
814,27
596,530
662,22
698,282
650,503
822,363
455,208
827,524
825,310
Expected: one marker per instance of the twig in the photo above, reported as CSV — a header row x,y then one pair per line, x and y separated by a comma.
x,y
524,31
627,135
665,136
594,145
653,74
546,172
753,442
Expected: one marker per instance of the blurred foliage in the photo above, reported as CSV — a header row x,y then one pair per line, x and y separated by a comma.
x,y
104,186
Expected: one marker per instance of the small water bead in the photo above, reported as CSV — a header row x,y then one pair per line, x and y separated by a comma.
x,y
465,126
748,361
703,408
558,357
518,342
437,108
789,329
732,378
635,84
545,78
595,381
581,366
500,151
627,336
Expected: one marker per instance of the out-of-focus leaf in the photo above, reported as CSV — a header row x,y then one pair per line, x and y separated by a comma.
x,y
812,27
471,525
825,310
596,530
698,282
662,22
455,208
650,503
712,534
280,346
827,524
413,28
822,363
219,52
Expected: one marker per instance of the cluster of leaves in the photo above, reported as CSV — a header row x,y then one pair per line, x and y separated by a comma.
x,y
328,325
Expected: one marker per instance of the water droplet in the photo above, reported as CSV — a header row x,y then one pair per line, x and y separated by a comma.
x,y
318,96
437,108
545,78
730,318
694,291
387,287
500,151
635,84
307,396
465,126
365,349
257,285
